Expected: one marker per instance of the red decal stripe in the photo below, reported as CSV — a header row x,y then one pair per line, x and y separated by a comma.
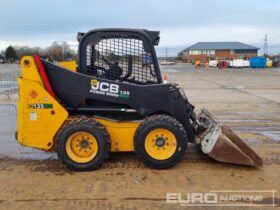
x,y
43,75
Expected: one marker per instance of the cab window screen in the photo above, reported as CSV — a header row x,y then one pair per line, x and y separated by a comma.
x,y
121,59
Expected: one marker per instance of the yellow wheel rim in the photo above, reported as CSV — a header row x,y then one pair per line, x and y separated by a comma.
x,y
81,147
160,144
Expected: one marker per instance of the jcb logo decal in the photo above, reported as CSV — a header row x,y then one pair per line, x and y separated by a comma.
x,y
108,89
104,86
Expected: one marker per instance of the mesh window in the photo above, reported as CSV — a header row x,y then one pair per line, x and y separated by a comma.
x,y
121,59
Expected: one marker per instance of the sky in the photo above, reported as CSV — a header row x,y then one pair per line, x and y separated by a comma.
x,y
181,22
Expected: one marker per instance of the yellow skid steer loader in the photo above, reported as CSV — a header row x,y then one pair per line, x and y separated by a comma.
x,y
115,100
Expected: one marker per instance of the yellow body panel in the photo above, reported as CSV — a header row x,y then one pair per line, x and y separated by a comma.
x,y
121,134
39,115
39,118
70,65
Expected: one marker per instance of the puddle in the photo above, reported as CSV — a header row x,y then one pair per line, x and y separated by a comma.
x,y
243,120
169,70
256,128
253,142
247,114
236,87
273,135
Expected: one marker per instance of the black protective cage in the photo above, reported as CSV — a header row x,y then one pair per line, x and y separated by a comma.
x,y
125,55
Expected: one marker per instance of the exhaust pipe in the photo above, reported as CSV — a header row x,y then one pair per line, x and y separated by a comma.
x,y
222,144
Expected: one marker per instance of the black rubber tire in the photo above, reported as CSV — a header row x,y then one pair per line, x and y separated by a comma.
x,y
89,125
154,122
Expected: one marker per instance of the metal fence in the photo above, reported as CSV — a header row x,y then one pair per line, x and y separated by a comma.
x,y
8,84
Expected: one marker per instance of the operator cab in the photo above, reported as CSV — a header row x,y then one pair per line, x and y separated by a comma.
x,y
123,55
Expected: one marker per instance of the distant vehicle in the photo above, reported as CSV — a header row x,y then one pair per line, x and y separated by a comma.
x,y
276,61
165,62
11,60
2,59
240,63
213,63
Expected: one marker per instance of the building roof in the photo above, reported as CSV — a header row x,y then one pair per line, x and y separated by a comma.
x,y
220,46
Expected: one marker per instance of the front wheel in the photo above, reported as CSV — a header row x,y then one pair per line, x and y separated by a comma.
x,y
160,141
83,144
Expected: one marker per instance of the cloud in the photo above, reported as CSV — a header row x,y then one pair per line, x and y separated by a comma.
x,y
180,21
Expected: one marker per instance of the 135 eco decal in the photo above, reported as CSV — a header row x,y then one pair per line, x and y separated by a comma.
x,y
40,106
108,89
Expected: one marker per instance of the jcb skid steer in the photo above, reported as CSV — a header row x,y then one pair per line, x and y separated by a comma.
x,y
115,101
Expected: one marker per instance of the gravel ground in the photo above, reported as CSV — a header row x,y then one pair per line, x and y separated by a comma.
x,y
246,100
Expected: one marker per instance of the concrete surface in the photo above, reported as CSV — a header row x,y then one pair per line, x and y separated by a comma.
x,y
246,100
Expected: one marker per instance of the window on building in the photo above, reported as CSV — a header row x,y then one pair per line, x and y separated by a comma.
x,y
195,52
210,52
245,51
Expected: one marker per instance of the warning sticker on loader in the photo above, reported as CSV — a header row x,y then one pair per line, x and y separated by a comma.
x,y
33,116
107,89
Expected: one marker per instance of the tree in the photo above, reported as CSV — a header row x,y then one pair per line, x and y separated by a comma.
x,y
10,53
60,52
22,51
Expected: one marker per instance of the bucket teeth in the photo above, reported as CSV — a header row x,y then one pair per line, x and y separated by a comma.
x,y
222,144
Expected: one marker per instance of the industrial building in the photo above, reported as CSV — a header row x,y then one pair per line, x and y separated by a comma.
x,y
205,51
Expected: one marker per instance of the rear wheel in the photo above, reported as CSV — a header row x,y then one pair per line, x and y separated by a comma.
x,y
83,144
160,141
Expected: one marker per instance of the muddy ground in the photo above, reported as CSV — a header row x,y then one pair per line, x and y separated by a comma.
x,y
246,100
